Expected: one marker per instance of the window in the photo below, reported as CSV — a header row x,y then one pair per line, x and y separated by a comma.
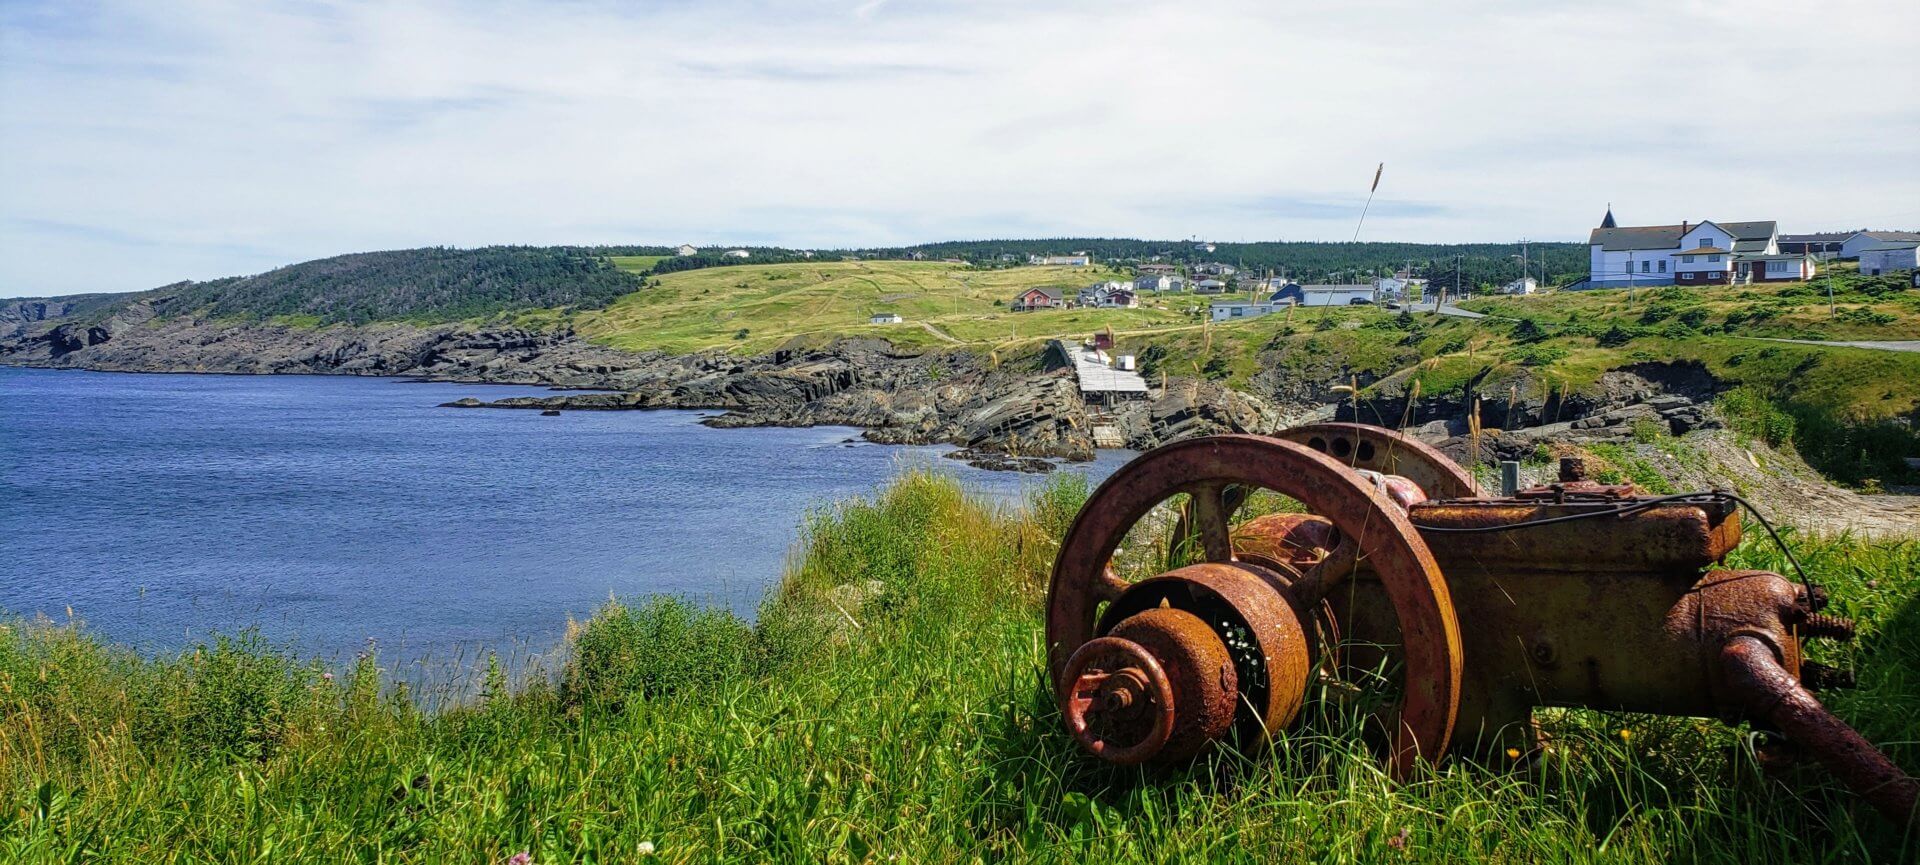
x,y
1713,259
1776,267
1686,259
1663,265
1646,267
1709,240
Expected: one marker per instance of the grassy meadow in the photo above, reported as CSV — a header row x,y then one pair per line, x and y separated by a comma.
x,y
755,308
887,704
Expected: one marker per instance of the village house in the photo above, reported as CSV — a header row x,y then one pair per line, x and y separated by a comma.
x,y
1395,287
1860,241
1228,310
1819,245
885,318
1156,282
1157,269
1890,256
737,253
1209,286
1096,294
1078,259
1214,268
1523,285
1120,298
685,250
1705,253
1044,297
1325,295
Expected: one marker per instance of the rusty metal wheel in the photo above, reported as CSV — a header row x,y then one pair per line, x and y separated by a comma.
x,y
1390,453
1381,539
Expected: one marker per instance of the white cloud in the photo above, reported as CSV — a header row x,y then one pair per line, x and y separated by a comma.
x,y
142,143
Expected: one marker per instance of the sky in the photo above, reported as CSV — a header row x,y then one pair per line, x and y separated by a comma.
x,y
143,143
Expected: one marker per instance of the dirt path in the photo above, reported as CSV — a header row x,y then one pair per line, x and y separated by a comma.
x,y
1788,490
940,334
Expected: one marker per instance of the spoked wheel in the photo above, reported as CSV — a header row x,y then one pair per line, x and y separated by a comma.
x,y
1155,670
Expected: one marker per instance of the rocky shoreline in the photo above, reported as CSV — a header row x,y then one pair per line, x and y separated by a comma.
x,y
1002,415
1008,413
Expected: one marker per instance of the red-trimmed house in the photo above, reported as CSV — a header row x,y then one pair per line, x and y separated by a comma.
x,y
1040,298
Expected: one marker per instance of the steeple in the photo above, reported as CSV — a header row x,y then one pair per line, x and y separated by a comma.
x,y
1608,222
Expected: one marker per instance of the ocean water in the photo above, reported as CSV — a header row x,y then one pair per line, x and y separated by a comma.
x,y
330,511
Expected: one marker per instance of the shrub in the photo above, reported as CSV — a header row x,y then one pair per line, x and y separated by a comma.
x,y
663,649
1614,337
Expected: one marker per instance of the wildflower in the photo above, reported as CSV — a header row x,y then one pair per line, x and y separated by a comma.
x,y
1399,842
521,858
646,848
1626,735
1513,753
326,677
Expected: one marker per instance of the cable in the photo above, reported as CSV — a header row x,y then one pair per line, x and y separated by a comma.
x,y
1625,508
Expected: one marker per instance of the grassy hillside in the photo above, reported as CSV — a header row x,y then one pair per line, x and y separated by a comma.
x,y
943,304
887,705
433,284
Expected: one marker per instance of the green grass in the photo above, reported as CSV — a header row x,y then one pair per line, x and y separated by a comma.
x,y
703,309
887,704
636,263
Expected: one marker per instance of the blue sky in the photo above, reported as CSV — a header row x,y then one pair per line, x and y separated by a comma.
x,y
143,143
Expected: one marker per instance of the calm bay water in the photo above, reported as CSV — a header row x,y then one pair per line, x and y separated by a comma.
x,y
331,510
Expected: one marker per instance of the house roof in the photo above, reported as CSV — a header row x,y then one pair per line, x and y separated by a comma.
x,y
1758,230
1347,287
1784,256
1891,246
1638,237
1054,293
1755,245
1669,236
1818,237
1702,250
1893,235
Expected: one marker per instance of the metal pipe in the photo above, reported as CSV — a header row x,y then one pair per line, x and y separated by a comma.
x,y
1754,676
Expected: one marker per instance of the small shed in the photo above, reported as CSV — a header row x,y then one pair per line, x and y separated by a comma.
x,y
885,318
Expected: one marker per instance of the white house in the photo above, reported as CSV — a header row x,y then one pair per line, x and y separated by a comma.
x,y
885,318
1707,253
1523,285
1158,282
1861,240
685,250
737,253
1325,295
1078,259
1228,310
1890,256
1209,286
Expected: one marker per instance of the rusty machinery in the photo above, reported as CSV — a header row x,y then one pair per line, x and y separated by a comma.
x,y
1574,594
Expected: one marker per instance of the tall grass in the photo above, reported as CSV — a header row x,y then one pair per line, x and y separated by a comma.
x,y
888,704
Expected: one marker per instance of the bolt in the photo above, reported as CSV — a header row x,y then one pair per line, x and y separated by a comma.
x,y
1821,677
1823,625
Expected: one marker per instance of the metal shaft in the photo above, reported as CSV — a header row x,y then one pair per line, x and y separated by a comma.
x,y
1770,693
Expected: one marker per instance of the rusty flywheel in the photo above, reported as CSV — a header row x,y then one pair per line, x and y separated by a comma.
x,y
1156,669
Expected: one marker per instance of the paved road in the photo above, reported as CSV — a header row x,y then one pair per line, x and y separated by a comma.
x,y
1447,309
1881,344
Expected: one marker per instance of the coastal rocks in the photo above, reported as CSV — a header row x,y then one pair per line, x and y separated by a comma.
x,y
1000,462
1658,414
